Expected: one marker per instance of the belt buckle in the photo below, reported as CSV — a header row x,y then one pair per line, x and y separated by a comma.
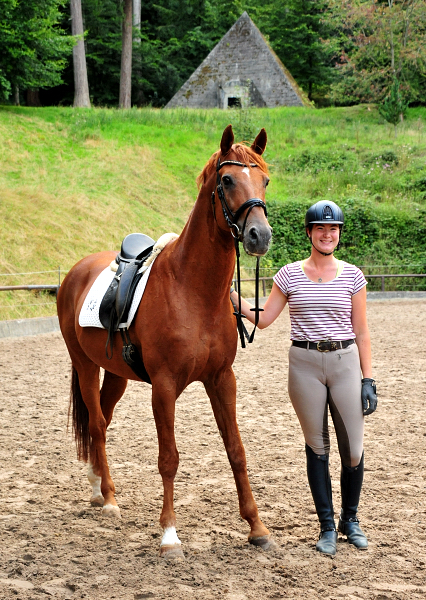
x,y
333,346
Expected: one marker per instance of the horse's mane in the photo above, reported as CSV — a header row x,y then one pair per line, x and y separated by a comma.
x,y
242,153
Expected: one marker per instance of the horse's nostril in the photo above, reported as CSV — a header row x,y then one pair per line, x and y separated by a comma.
x,y
254,236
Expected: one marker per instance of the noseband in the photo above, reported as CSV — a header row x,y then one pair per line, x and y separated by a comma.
x,y
231,219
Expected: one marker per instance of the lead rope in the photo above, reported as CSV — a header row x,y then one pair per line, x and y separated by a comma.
x,y
242,330
238,314
256,309
231,220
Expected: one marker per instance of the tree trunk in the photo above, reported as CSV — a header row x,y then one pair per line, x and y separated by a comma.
x,y
81,84
137,19
16,95
126,57
139,97
33,98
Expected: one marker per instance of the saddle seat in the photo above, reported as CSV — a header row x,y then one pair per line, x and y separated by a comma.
x,y
135,246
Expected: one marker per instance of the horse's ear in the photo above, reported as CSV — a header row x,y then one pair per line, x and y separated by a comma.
x,y
227,140
259,143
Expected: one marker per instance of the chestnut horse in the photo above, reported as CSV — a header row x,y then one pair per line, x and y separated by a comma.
x,y
184,329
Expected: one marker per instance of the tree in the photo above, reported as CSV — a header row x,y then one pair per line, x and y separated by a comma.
x,y
394,107
126,57
103,24
81,84
301,34
33,48
383,39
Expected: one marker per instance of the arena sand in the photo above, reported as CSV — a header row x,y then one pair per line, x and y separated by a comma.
x,y
54,544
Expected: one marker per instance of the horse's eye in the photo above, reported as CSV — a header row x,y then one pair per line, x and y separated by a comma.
x,y
227,180
267,183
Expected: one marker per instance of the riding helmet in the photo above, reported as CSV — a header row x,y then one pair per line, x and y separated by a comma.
x,y
324,211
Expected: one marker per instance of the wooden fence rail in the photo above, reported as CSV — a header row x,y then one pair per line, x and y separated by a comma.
x,y
263,280
384,276
7,288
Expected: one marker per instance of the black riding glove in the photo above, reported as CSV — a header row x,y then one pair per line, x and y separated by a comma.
x,y
368,396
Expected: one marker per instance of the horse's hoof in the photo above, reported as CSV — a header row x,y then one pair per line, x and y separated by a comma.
x,y
171,551
265,542
97,500
111,511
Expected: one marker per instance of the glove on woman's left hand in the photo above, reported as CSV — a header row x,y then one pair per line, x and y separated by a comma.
x,y
368,396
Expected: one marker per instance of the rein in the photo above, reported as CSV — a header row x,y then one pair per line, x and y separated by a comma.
x,y
231,219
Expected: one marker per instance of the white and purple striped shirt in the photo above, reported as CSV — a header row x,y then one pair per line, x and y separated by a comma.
x,y
320,311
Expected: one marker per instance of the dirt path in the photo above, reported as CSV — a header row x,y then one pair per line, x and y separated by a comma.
x,y
53,544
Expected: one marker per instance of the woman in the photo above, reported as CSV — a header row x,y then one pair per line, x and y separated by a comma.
x,y
330,347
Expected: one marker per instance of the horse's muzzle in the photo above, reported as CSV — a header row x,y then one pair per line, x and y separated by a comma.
x,y
257,238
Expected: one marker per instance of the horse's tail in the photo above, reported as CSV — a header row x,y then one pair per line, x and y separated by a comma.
x,y
80,418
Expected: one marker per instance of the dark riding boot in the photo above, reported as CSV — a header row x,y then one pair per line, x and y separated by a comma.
x,y
320,484
351,483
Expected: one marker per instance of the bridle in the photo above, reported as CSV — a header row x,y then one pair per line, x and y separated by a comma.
x,y
231,219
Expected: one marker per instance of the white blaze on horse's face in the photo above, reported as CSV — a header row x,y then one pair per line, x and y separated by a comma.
x,y
256,232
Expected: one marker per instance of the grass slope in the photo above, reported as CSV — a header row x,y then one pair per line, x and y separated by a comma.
x,y
75,181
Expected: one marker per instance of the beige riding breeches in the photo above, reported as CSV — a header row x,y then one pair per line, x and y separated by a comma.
x,y
321,380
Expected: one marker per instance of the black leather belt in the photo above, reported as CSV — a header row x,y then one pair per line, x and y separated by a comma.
x,y
324,346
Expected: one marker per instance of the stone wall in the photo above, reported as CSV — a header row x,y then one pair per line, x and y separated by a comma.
x,y
243,56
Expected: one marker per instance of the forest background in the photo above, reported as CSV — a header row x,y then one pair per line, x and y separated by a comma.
x,y
341,52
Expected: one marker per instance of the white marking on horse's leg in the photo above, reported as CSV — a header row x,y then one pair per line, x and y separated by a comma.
x,y
95,481
111,511
170,537
246,171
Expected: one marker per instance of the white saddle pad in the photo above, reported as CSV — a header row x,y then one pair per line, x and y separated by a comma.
x,y
89,314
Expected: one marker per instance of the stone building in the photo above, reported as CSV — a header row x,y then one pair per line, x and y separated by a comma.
x,y
241,70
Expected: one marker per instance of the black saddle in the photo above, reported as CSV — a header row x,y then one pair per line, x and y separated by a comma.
x,y
135,246
115,304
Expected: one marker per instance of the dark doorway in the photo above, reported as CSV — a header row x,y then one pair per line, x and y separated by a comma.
x,y
234,102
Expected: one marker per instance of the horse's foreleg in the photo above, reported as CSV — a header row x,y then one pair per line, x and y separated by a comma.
x,y
163,405
222,394
113,387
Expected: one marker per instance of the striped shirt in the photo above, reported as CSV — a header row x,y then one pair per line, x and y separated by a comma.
x,y
320,311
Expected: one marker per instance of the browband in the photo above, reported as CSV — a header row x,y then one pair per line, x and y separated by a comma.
x,y
233,162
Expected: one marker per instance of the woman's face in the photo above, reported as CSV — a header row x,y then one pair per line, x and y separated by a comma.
x,y
325,236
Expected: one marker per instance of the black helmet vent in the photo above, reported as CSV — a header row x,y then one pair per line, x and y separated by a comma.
x,y
324,211
327,212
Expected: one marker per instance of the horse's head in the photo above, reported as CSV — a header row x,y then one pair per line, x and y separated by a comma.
x,y
240,179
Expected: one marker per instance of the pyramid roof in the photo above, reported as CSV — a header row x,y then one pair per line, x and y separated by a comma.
x,y
241,69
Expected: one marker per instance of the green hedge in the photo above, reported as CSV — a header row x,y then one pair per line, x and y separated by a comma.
x,y
372,234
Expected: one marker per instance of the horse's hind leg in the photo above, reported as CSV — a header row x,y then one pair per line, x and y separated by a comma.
x,y
90,428
113,388
222,393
